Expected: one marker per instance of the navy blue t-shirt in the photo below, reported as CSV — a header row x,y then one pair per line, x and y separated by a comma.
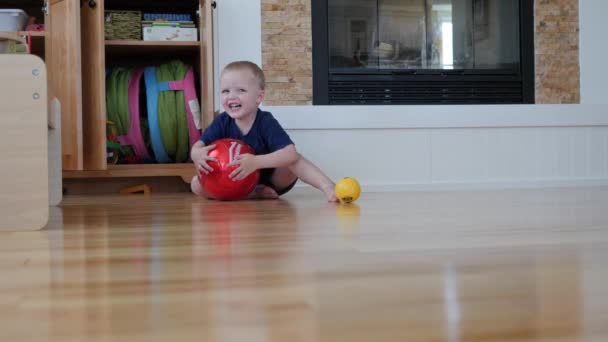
x,y
265,136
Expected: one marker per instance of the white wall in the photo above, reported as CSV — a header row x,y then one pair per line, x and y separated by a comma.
x,y
411,147
237,29
594,51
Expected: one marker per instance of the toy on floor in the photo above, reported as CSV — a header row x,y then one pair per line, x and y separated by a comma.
x,y
138,189
348,190
218,183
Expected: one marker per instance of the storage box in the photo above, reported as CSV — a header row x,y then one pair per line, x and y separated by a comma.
x,y
10,43
13,47
12,20
122,25
170,33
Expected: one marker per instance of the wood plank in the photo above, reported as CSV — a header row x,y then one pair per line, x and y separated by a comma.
x,y
512,265
206,55
33,34
54,152
48,58
23,144
66,82
153,44
127,48
186,171
94,87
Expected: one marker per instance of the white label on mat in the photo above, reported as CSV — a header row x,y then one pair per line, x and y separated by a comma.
x,y
195,108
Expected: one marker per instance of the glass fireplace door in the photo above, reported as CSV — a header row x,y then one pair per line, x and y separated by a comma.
x,y
406,36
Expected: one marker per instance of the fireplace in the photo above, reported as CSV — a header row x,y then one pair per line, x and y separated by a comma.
x,y
372,52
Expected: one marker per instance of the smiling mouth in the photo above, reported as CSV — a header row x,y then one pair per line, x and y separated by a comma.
x,y
234,106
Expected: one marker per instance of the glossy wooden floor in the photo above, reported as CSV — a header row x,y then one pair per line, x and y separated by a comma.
x,y
516,265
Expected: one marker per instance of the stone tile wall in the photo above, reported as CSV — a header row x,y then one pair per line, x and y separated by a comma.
x,y
556,45
287,51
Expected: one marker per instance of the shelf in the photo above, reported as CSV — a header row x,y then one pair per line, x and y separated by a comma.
x,y
150,47
185,170
154,5
37,41
33,34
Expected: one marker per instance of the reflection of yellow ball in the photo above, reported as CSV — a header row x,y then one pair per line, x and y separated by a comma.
x,y
348,216
348,190
348,210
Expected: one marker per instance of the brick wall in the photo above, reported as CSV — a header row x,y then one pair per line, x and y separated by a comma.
x,y
287,51
556,45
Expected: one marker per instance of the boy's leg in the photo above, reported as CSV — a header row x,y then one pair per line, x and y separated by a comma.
x,y
282,179
196,187
303,169
311,174
272,185
263,191
280,182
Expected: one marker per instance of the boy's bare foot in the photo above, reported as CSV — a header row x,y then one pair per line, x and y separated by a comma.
x,y
264,192
330,192
195,186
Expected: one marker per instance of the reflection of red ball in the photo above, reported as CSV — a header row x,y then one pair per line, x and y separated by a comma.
x,y
218,183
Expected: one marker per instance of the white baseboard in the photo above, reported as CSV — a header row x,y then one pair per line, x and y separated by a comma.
x,y
481,185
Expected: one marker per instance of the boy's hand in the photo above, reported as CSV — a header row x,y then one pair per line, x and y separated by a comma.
x,y
200,158
247,163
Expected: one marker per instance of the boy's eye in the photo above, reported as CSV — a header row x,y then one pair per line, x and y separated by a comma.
x,y
225,91
243,90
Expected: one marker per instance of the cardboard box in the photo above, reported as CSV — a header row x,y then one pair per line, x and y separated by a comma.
x,y
170,33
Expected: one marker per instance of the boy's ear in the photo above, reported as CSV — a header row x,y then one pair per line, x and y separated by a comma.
x,y
261,96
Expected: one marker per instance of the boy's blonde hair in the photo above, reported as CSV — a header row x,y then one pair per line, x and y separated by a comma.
x,y
249,66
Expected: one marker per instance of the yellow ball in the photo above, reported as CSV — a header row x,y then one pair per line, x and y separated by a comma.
x,y
348,190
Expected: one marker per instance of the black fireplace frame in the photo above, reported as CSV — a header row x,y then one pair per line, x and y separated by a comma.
x,y
421,86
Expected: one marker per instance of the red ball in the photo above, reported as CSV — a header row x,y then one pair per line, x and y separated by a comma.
x,y
218,183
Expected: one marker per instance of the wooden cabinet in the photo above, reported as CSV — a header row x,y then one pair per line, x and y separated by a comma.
x,y
59,46
77,56
98,54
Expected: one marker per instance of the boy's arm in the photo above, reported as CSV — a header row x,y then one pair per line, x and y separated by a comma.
x,y
249,162
198,144
279,158
196,149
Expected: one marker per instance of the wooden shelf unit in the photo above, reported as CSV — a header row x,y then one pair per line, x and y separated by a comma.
x,y
98,54
76,55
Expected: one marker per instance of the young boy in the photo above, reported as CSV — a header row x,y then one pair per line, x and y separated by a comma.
x,y
242,86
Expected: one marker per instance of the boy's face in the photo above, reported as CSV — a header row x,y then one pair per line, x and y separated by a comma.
x,y
240,93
